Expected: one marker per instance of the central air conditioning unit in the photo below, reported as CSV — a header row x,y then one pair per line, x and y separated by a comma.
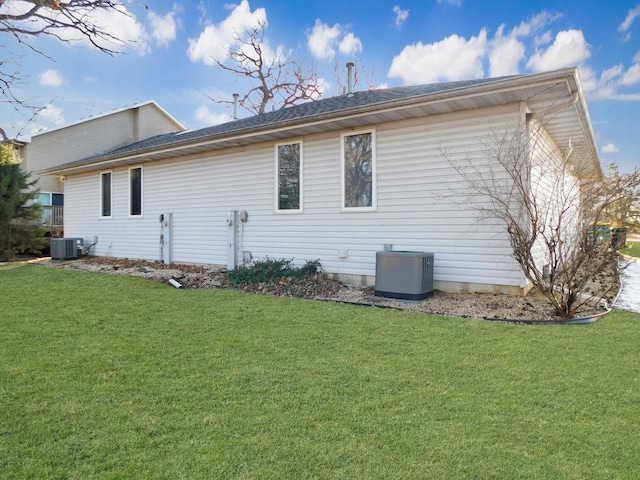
x,y
404,275
66,248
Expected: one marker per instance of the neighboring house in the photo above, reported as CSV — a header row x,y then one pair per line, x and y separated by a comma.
x,y
87,137
335,180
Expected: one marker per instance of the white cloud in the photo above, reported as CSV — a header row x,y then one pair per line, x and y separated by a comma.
x,y
610,148
215,40
420,63
610,81
401,15
52,114
120,25
535,23
632,14
611,73
350,44
589,79
322,40
568,49
125,27
543,39
505,55
202,8
631,76
51,78
204,115
603,87
507,51
164,29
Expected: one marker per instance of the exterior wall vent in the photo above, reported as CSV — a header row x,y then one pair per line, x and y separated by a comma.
x,y
66,248
404,275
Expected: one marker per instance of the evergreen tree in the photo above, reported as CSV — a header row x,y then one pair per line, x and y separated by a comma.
x,y
18,212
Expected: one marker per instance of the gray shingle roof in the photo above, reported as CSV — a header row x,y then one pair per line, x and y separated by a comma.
x,y
333,106
558,91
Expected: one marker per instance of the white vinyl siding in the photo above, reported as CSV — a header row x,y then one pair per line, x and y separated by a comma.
x,y
93,136
557,195
414,207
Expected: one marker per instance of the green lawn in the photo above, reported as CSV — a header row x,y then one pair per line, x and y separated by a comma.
x,y
633,249
114,377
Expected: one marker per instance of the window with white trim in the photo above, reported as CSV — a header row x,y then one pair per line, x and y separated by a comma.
x,y
358,171
135,192
106,194
289,177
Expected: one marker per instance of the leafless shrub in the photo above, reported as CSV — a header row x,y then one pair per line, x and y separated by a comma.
x,y
549,204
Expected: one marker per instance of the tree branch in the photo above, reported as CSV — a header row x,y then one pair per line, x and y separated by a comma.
x,y
276,79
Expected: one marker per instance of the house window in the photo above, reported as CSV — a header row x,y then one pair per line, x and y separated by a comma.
x,y
47,199
358,171
57,199
44,199
105,194
289,172
135,192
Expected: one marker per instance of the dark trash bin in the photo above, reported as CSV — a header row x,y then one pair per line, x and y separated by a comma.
x,y
618,237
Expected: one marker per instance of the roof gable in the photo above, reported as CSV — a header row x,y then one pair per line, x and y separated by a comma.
x,y
149,103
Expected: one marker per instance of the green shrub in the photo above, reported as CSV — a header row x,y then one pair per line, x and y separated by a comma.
x,y
268,270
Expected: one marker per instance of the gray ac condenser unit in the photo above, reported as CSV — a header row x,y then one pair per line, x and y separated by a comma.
x,y
66,248
404,275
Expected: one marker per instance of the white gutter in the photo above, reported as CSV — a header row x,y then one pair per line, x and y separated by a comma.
x,y
558,108
240,137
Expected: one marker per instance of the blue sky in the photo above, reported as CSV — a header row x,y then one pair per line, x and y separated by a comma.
x,y
394,43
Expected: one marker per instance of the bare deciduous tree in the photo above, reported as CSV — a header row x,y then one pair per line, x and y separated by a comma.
x,y
67,21
623,210
549,206
276,78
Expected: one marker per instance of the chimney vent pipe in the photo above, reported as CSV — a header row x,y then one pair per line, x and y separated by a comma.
x,y
235,106
350,66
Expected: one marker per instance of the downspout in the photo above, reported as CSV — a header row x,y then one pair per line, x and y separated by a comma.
x,y
525,116
136,124
557,108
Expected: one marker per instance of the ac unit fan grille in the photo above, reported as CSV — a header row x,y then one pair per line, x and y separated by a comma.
x,y
404,275
66,248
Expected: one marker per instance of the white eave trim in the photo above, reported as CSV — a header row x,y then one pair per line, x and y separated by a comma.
x,y
568,75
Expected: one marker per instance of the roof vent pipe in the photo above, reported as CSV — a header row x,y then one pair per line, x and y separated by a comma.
x,y
350,66
235,106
